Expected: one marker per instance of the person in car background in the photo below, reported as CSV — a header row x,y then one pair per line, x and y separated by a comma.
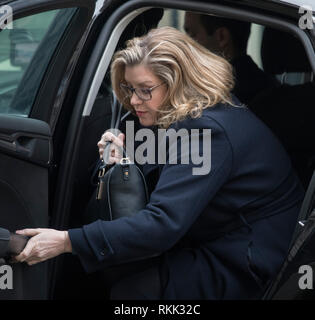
x,y
220,235
229,38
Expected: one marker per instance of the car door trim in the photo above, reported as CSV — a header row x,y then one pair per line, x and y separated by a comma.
x,y
106,59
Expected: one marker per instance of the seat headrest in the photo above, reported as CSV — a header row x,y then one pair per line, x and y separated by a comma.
x,y
282,52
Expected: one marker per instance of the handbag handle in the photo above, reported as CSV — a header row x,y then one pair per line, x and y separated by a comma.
x,y
115,120
106,153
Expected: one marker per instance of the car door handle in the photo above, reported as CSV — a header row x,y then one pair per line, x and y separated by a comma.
x,y
6,142
11,244
32,147
16,144
4,242
25,145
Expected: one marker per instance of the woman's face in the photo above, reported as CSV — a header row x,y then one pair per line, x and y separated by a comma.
x,y
141,77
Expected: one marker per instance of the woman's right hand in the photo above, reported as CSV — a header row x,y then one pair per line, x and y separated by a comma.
x,y
115,148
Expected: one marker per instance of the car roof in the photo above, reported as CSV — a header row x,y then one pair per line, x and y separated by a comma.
x,y
282,7
298,3
284,2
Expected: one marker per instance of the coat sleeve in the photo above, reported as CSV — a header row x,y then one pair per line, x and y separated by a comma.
x,y
178,199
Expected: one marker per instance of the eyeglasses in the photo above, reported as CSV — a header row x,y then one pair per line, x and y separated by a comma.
x,y
143,94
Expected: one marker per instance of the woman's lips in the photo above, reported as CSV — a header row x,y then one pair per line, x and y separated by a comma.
x,y
140,113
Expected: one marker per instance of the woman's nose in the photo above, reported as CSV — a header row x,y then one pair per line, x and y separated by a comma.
x,y
135,100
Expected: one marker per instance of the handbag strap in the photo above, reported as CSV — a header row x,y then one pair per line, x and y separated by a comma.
x,y
116,107
116,111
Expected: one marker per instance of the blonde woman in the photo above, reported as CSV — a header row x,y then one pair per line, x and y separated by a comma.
x,y
219,235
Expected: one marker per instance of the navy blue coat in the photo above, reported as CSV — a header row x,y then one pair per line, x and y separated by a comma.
x,y
223,235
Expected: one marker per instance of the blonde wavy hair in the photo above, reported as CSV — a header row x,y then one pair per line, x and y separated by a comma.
x,y
195,77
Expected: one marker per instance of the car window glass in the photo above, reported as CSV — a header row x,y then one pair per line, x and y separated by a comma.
x,y
24,49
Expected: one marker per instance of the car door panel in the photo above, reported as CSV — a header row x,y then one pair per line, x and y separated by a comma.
x,y
24,143
26,147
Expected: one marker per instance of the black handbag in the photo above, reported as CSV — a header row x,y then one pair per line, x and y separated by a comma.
x,y
121,189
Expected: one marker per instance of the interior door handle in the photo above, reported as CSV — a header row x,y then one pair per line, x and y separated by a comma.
x,y
4,242
14,146
7,143
24,145
11,243
33,147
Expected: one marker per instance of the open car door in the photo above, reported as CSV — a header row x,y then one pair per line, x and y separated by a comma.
x,y
35,50
295,279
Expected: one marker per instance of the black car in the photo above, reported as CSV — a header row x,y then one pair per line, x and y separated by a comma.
x,y
55,103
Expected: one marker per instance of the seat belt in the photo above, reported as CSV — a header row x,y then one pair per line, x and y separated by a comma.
x,y
306,208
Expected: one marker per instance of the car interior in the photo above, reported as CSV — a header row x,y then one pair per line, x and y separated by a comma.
x,y
286,110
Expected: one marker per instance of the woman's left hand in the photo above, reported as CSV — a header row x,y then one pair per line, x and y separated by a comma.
x,y
44,244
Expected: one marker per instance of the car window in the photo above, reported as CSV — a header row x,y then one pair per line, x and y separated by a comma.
x,y
24,49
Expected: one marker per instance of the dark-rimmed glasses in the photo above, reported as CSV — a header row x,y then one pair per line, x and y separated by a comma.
x,y
143,94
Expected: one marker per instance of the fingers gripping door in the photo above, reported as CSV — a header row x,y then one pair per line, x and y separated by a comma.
x,y
24,161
